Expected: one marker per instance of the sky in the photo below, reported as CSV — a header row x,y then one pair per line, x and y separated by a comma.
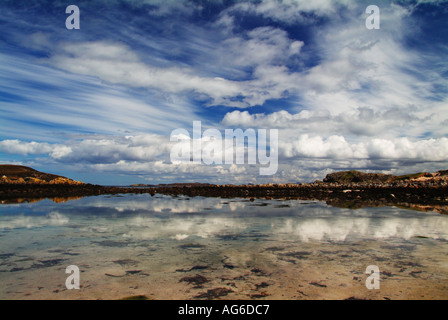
x,y
100,103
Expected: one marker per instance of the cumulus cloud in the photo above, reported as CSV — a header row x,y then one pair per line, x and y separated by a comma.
x,y
358,123
337,147
149,157
102,149
25,148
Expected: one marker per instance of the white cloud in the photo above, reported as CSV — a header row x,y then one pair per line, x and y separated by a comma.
x,y
263,45
25,148
302,157
215,74
96,59
292,11
356,68
336,147
75,103
101,149
356,124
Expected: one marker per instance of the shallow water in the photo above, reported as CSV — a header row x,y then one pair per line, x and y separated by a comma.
x,y
167,247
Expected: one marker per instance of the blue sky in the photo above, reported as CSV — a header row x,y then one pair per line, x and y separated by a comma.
x,y
98,104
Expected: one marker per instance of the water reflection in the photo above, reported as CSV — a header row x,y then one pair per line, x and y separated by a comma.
x,y
145,217
441,208
238,244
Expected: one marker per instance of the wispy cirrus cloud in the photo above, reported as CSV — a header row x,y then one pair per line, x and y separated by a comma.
x,y
39,101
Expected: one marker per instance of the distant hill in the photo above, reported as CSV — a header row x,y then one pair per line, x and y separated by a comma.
x,y
354,176
24,175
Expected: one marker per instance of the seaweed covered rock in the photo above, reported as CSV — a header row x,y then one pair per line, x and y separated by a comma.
x,y
354,176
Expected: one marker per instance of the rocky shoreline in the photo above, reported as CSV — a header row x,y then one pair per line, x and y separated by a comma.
x,y
349,189
426,197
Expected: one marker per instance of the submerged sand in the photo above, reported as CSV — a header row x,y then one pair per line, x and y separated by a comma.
x,y
221,249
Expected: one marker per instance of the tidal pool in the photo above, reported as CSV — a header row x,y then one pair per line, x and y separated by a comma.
x,y
165,247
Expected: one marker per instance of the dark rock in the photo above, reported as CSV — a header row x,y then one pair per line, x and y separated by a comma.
x,y
193,268
126,262
191,246
316,284
262,285
357,176
47,263
214,293
138,297
258,295
197,280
